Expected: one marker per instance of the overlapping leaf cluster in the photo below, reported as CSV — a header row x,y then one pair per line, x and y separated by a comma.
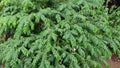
x,y
58,33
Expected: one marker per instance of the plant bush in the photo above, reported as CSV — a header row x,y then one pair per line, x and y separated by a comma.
x,y
58,33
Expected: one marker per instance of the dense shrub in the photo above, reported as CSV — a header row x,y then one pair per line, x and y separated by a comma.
x,y
57,33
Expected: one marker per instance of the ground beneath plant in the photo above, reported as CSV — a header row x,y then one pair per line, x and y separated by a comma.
x,y
115,62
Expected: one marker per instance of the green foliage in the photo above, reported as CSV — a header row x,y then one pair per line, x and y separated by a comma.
x,y
58,33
